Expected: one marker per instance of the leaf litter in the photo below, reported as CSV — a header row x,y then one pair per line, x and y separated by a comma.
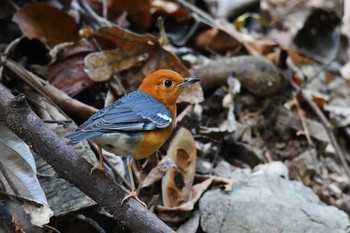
x,y
251,107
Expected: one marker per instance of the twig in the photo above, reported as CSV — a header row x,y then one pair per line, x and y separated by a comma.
x,y
51,93
92,222
310,79
303,122
51,228
104,9
184,113
100,20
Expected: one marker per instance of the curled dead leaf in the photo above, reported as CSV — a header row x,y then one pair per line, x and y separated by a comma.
x,y
157,172
177,182
175,215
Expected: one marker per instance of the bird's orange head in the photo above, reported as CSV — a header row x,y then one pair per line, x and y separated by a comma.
x,y
165,85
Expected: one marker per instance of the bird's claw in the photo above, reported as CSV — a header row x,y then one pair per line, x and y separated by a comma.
x,y
100,169
133,194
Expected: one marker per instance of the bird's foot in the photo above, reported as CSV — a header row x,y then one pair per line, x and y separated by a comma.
x,y
133,194
99,169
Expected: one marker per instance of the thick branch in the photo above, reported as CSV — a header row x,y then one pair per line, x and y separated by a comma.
x,y
16,114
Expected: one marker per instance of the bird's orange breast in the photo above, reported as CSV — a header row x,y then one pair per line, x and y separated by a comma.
x,y
152,141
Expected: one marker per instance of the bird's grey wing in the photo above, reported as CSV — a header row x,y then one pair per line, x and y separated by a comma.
x,y
136,111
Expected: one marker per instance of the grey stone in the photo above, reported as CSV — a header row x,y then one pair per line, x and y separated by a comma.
x,y
264,201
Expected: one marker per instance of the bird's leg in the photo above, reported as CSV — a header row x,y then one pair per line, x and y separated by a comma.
x,y
133,192
100,168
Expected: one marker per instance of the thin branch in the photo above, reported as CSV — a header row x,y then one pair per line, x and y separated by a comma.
x,y
51,93
303,121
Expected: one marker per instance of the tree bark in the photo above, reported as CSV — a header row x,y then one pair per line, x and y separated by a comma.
x,y
17,115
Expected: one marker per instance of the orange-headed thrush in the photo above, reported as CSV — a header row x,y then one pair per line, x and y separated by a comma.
x,y
137,124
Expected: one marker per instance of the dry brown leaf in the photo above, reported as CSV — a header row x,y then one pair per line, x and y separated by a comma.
x,y
227,183
138,12
175,215
218,41
319,100
299,59
197,190
157,172
263,47
46,23
129,52
133,45
177,182
178,195
67,71
100,66
69,76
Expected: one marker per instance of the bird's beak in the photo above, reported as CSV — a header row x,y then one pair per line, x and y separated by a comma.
x,y
188,81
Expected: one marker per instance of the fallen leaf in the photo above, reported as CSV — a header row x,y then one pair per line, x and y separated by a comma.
x,y
27,215
135,46
262,47
137,12
292,120
67,70
177,182
175,215
19,166
18,176
157,172
299,59
46,23
217,40
101,66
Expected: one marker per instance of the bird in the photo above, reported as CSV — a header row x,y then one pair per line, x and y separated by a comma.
x,y
137,124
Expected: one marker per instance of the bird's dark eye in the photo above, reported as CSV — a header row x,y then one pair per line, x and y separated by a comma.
x,y
168,83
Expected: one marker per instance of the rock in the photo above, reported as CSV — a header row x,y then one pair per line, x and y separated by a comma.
x,y
257,74
264,201
275,169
